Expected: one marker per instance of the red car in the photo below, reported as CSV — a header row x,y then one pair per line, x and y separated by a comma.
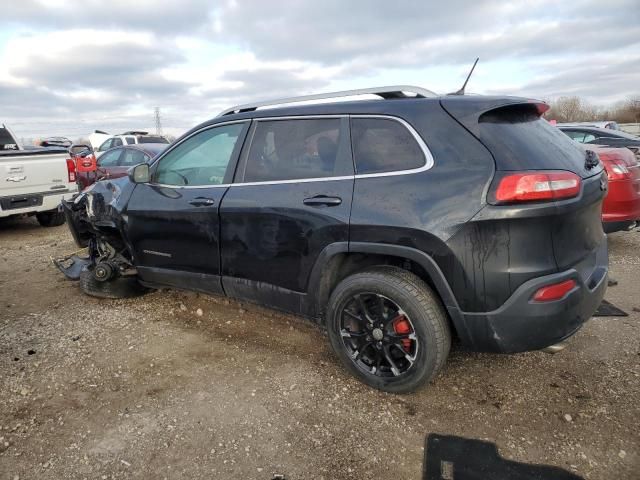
x,y
115,162
621,207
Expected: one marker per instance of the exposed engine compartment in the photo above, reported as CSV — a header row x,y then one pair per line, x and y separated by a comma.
x,y
95,220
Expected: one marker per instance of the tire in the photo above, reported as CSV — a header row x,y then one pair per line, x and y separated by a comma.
x,y
119,287
50,219
416,302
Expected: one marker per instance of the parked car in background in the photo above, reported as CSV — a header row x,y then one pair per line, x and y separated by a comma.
x,y
602,136
116,162
621,207
128,138
608,124
56,142
394,223
34,181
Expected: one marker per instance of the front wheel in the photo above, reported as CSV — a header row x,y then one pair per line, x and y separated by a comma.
x,y
388,329
118,287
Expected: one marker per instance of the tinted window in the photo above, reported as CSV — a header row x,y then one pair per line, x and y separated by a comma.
x,y
520,140
201,159
384,145
297,149
152,139
130,140
132,157
117,142
106,145
110,158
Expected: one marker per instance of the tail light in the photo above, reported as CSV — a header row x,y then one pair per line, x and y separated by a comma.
x,y
71,170
617,171
555,291
537,186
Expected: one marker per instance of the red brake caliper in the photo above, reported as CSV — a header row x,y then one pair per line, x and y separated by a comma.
x,y
402,326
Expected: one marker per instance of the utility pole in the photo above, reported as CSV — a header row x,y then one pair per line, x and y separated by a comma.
x,y
156,113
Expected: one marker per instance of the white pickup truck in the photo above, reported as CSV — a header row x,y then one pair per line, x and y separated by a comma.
x,y
34,181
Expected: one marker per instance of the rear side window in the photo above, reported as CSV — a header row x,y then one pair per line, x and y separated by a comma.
x,y
298,149
130,140
384,145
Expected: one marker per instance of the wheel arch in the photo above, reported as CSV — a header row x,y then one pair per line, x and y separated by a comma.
x,y
339,260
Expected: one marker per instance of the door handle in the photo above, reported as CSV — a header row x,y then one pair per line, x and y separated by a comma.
x,y
322,200
202,202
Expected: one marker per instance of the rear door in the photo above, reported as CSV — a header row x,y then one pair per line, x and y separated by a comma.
x,y
173,220
292,198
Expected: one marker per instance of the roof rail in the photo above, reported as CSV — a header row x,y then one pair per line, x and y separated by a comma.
x,y
396,91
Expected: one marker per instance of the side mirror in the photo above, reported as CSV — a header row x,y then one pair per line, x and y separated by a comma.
x,y
140,173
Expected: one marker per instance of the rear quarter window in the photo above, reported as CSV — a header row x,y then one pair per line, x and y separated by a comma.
x,y
384,145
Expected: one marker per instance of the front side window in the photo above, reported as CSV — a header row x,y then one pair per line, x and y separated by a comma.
x,y
110,159
384,145
117,142
132,157
201,159
297,149
106,145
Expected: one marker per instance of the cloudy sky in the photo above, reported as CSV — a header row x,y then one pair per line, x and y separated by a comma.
x,y
68,67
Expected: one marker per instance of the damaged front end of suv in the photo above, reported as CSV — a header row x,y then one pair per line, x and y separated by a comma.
x,y
97,222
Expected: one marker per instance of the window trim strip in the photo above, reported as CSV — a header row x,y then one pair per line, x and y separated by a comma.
x,y
429,161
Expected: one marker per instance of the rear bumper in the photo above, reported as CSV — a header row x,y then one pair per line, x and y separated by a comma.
x,y
521,324
42,202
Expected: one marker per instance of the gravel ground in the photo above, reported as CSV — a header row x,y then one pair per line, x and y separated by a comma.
x,y
147,388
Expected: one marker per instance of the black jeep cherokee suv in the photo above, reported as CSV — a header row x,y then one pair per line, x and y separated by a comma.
x,y
395,223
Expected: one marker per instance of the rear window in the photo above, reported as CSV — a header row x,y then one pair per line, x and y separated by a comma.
x,y
520,140
383,145
152,139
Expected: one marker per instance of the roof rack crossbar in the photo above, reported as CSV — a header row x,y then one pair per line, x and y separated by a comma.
x,y
396,91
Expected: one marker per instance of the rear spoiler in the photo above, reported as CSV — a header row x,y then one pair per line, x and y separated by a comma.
x,y
468,109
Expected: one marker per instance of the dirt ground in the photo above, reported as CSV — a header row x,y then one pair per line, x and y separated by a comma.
x,y
146,388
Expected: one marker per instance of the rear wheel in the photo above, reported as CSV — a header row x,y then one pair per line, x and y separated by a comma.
x,y
388,329
119,287
50,219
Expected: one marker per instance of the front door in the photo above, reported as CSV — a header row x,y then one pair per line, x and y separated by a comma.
x,y
173,220
291,199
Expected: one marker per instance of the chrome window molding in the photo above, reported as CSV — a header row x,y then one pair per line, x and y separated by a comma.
x,y
429,161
